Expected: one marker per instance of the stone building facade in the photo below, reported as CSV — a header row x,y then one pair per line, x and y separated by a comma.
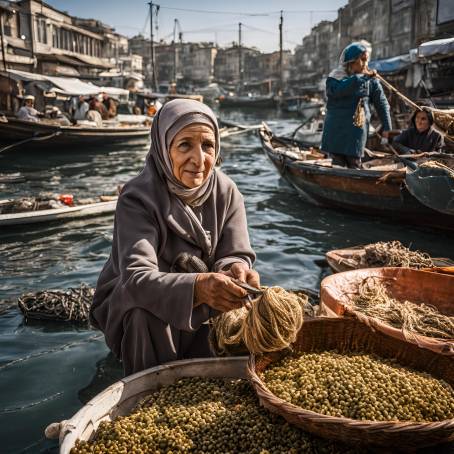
x,y
40,38
393,27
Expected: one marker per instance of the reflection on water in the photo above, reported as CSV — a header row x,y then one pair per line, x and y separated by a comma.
x,y
48,370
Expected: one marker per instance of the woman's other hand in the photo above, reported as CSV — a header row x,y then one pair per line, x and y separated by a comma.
x,y
243,273
385,134
370,72
218,291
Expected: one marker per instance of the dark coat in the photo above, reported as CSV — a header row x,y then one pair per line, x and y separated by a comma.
x,y
411,140
340,135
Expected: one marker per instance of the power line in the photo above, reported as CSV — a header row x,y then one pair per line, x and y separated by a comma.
x,y
235,13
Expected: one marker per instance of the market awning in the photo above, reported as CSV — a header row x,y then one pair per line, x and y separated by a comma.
x,y
68,86
391,65
439,47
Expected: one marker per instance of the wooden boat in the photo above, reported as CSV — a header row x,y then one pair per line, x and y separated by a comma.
x,y
353,258
228,128
120,398
310,134
378,189
105,205
42,135
248,101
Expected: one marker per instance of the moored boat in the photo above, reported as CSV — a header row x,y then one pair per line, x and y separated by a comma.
x,y
9,216
44,135
248,101
378,191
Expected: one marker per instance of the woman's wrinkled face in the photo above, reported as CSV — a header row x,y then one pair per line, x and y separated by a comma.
x,y
192,153
422,121
358,66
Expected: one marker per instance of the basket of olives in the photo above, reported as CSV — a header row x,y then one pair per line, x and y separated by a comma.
x,y
344,381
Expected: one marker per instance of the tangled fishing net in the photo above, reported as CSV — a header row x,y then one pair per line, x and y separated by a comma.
x,y
271,324
70,305
394,253
374,301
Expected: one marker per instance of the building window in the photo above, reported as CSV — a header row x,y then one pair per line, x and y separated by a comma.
x,y
55,36
40,24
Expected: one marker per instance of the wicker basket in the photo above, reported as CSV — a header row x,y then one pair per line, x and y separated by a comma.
x,y
417,286
348,334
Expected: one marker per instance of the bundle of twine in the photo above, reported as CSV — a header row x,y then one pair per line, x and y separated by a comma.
x,y
359,118
374,300
394,253
270,324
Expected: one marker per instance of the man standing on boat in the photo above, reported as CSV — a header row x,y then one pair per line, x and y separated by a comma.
x,y
350,89
27,112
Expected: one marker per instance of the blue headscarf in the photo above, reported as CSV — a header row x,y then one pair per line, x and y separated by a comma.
x,y
351,53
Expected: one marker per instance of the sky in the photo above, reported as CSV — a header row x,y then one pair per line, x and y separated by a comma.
x,y
260,18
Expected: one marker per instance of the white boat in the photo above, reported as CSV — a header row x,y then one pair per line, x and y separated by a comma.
x,y
65,213
310,135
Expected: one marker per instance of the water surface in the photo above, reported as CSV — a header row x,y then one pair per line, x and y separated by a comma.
x,y
48,370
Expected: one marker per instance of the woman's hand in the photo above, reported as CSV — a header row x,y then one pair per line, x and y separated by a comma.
x,y
385,134
370,72
218,291
243,273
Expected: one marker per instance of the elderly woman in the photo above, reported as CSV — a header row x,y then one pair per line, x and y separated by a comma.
x,y
350,90
150,311
420,136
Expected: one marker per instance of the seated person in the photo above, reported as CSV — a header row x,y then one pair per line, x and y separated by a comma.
x,y
152,312
420,136
98,106
110,105
55,114
95,116
27,112
81,110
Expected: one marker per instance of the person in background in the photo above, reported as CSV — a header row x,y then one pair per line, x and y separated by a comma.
x,y
350,89
27,112
110,105
98,106
420,136
81,110
55,114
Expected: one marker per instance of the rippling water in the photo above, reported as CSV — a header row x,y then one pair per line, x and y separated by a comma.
x,y
47,370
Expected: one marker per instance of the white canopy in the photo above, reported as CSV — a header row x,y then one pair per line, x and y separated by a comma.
x,y
69,86
439,47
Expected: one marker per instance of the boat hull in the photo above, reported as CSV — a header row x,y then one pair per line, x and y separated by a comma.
x,y
58,214
360,191
49,136
247,102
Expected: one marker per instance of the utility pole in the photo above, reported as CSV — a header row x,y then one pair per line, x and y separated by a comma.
x,y
281,55
3,43
154,79
176,23
240,62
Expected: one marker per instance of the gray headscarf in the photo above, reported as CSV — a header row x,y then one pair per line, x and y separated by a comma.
x,y
171,119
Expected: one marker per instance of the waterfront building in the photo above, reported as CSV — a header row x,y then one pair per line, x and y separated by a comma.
x,y
39,38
